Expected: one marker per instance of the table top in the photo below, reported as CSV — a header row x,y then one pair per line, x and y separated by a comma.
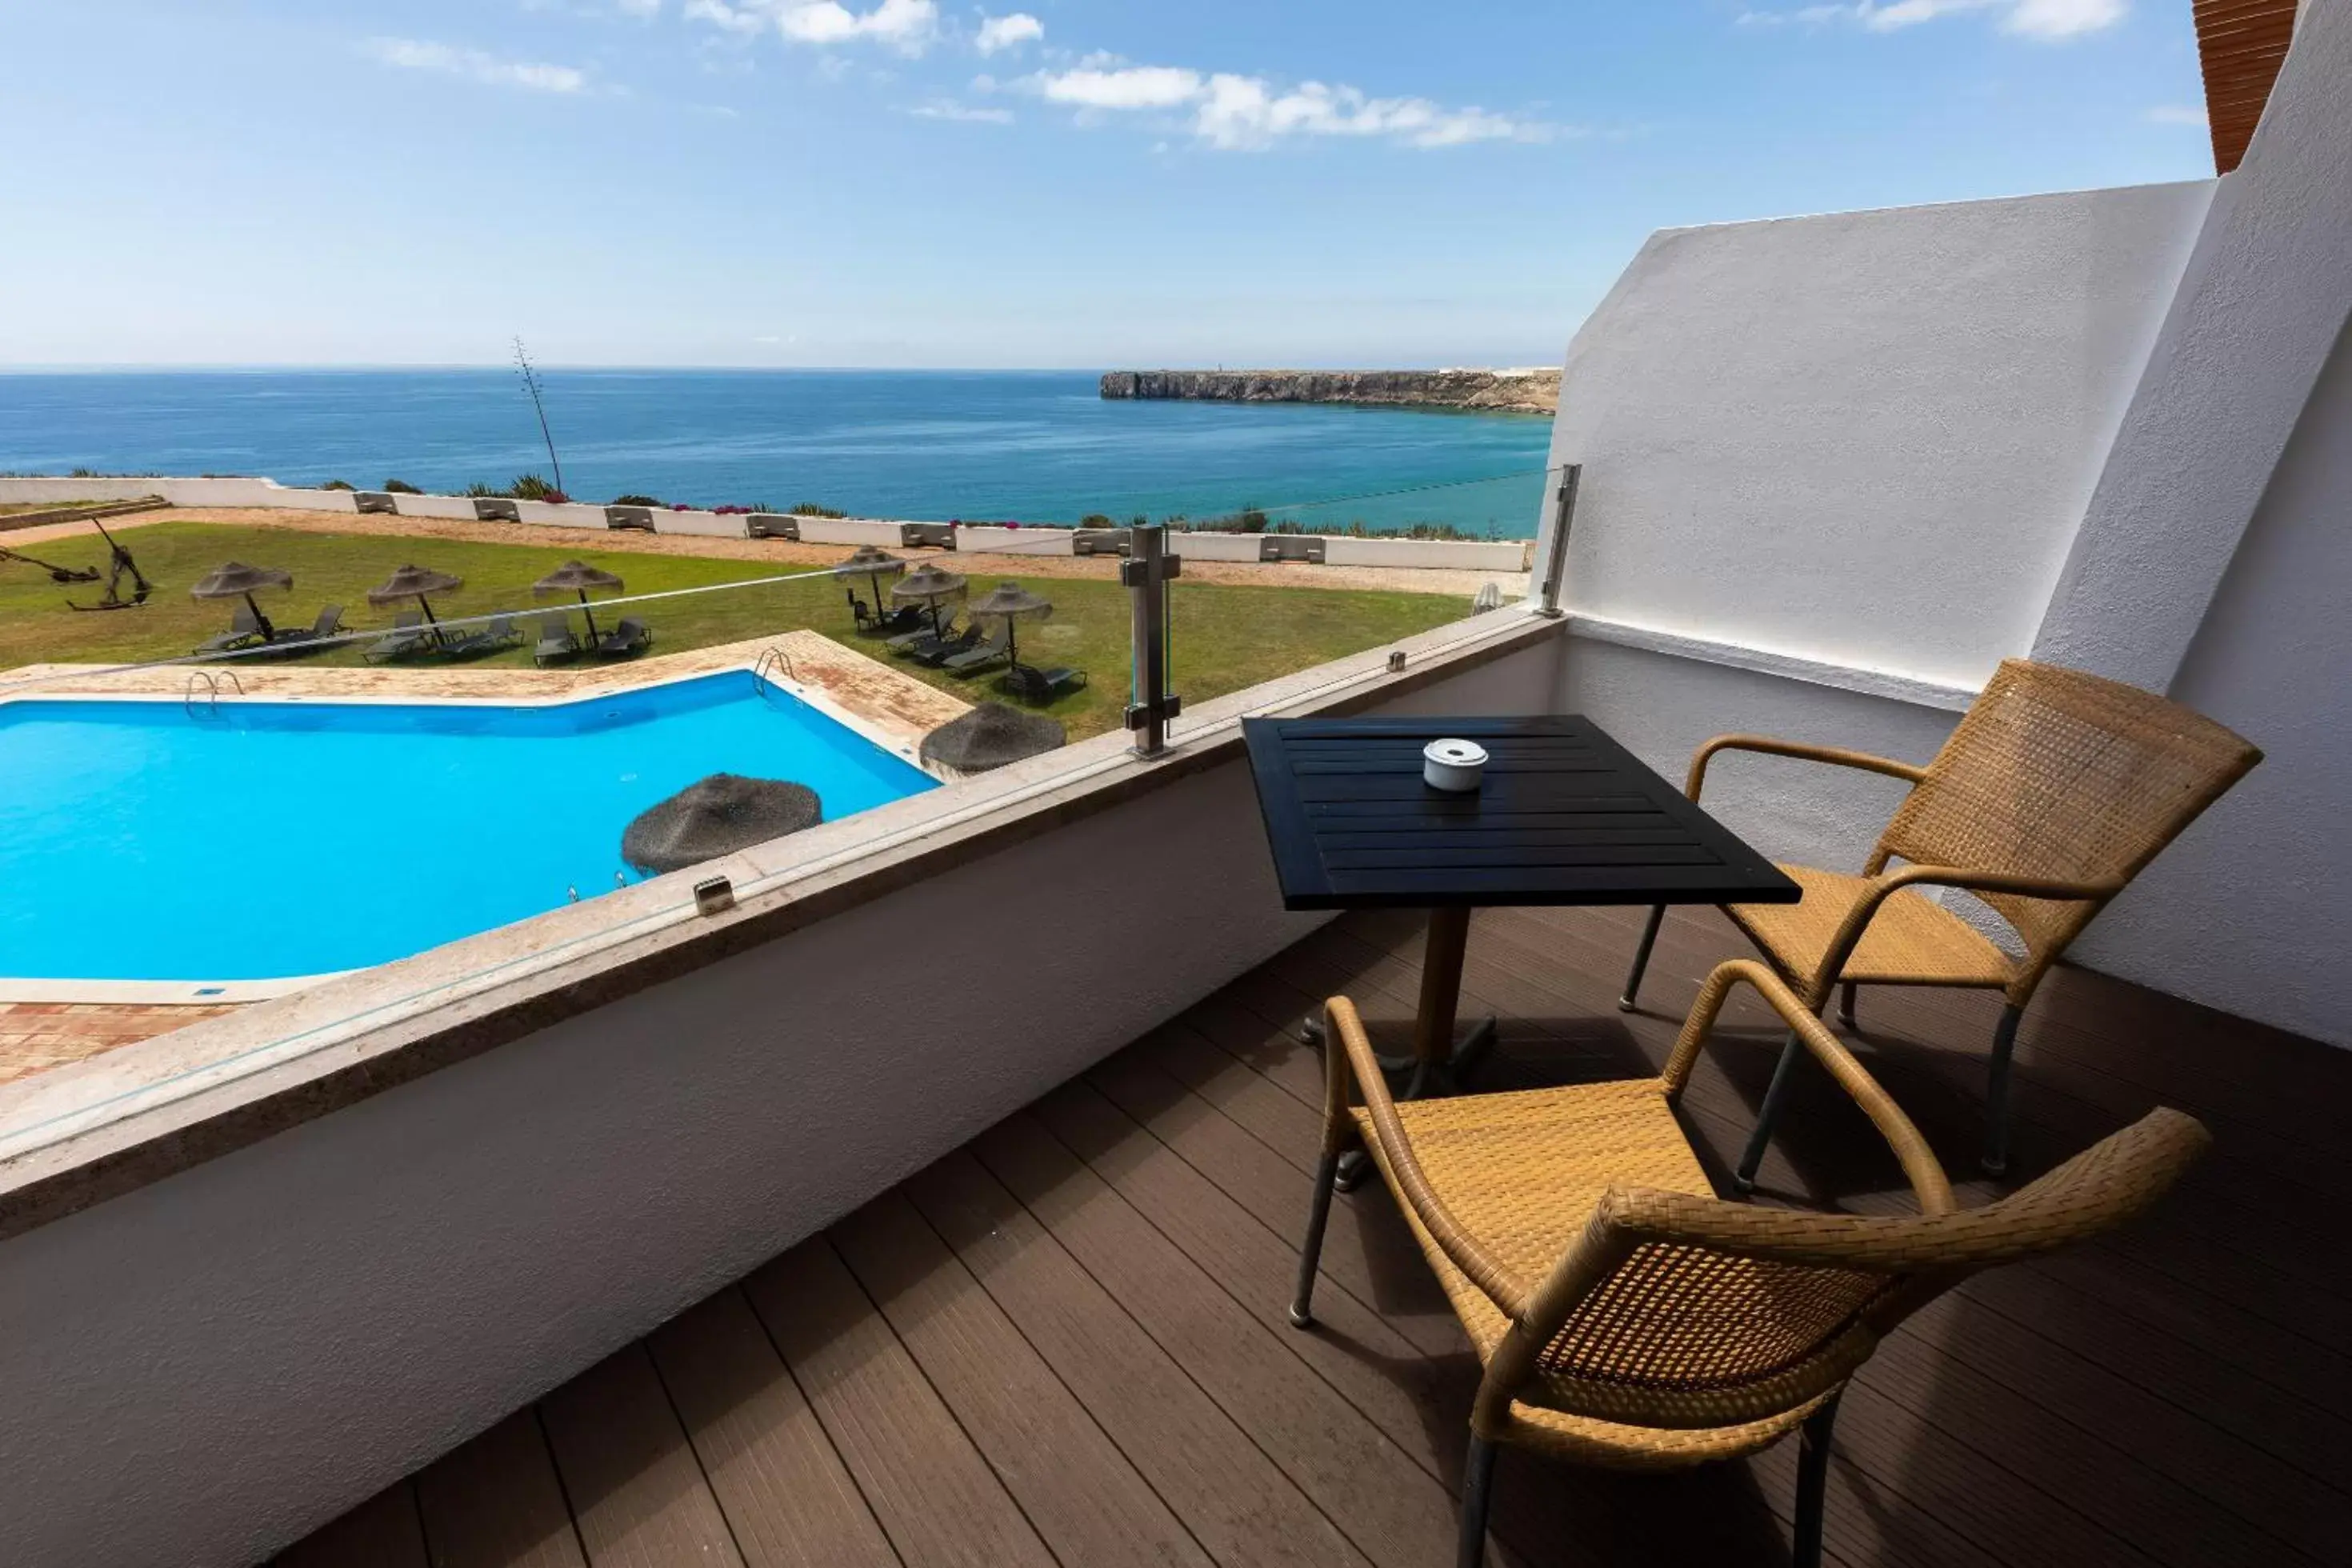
x,y
1563,816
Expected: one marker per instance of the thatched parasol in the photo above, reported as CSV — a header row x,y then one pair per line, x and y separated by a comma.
x,y
929,585
1013,603
715,816
236,580
578,577
991,736
414,583
873,565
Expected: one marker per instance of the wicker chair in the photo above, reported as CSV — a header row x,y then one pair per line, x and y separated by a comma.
x,y
1625,1316
2051,794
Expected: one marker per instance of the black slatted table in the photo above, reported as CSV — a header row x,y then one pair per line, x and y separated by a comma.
x,y
1563,816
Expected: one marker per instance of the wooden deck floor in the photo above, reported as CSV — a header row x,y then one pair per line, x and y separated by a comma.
x,y
1065,1342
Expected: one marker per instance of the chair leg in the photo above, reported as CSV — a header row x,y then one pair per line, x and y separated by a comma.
x,y
1310,1253
1845,1003
1642,959
1762,1139
2004,1041
1478,1493
1812,1485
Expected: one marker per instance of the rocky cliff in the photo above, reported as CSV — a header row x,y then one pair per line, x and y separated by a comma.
x,y
1498,390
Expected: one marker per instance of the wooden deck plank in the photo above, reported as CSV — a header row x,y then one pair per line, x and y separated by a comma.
x,y
1078,1491
1395,1512
1235,1501
495,1502
384,1532
936,1497
637,1493
786,1494
1395,1281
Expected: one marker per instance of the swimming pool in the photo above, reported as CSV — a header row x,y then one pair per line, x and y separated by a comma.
x,y
140,840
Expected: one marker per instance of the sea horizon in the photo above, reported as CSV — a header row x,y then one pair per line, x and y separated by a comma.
x,y
1036,444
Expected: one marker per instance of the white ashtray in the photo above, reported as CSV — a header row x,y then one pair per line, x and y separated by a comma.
x,y
1455,765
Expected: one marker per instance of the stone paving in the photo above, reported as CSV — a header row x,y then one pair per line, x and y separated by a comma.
x,y
37,1035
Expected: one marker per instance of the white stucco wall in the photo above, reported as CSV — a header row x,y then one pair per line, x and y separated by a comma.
x,y
1863,438
2251,912
201,1372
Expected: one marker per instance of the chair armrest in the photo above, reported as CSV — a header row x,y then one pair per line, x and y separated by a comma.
x,y
1926,1177
1836,756
1887,884
1347,1053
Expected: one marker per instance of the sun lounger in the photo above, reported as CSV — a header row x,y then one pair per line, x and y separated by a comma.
x,y
555,640
409,635
329,624
632,635
938,650
913,642
242,630
900,618
1032,685
498,635
978,656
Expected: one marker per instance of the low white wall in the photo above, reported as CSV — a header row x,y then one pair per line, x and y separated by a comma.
x,y
1864,438
1459,554
1215,546
1662,707
849,530
203,1371
988,539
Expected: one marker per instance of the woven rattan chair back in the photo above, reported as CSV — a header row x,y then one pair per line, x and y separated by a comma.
x,y
1678,1310
2065,776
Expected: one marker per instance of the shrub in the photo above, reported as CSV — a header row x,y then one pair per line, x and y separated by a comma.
x,y
400,488
810,508
530,486
479,489
635,501
339,485
735,510
1095,520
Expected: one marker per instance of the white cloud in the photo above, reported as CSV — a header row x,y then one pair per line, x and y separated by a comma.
x,y
2048,19
949,109
411,54
1004,32
1231,111
907,25
2180,114
1125,87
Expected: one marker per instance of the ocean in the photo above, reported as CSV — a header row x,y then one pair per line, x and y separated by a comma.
x,y
1031,446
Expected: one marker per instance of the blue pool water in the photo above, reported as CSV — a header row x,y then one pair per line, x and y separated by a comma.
x,y
1037,447
277,840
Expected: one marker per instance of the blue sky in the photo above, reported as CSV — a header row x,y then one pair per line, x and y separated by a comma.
x,y
1048,183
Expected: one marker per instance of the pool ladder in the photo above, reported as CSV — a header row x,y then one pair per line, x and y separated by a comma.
x,y
773,658
209,682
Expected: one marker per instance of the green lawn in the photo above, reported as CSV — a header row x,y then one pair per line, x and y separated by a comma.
x,y
1224,638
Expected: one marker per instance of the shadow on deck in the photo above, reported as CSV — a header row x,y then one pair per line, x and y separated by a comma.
x,y
1065,1341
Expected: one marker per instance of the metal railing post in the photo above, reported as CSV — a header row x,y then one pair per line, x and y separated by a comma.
x,y
1146,573
1556,559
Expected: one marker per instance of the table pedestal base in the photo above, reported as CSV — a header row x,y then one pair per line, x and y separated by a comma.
x,y
1440,1064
